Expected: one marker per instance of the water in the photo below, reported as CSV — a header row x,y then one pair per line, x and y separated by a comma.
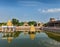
x,y
24,39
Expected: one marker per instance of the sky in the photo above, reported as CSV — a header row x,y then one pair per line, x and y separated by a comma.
x,y
29,10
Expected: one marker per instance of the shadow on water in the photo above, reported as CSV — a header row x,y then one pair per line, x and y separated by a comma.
x,y
52,35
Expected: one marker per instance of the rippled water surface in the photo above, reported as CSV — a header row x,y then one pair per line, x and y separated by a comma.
x,y
25,39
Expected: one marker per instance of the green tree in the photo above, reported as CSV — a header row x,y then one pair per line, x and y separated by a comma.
x,y
15,22
21,23
2,23
32,23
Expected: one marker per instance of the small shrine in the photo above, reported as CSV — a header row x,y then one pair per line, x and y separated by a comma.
x,y
9,23
9,27
32,28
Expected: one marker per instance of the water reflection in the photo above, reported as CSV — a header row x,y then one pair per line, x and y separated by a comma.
x,y
26,39
10,36
32,36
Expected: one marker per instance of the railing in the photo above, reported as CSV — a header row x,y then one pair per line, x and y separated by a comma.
x,y
53,29
20,28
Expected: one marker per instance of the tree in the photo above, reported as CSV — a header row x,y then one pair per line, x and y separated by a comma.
x,y
21,23
2,23
15,22
32,23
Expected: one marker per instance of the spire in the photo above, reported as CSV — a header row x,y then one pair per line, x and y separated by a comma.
x,y
9,23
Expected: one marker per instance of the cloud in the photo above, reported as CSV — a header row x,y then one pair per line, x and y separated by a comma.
x,y
28,3
54,10
50,1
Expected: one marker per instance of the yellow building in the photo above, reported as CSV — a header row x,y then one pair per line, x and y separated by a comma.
x,y
9,23
32,28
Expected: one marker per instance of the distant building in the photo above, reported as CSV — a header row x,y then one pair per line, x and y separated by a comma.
x,y
26,24
53,23
40,24
52,19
